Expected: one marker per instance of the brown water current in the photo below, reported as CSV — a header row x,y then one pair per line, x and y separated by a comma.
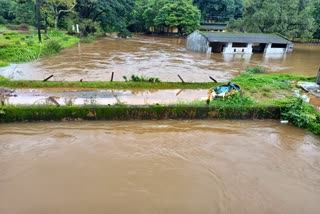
x,y
158,167
164,58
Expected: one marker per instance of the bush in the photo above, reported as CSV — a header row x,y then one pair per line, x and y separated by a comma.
x,y
87,27
135,78
302,115
52,47
255,70
235,99
88,39
24,27
124,33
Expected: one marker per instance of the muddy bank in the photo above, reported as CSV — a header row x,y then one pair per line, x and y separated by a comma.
x,y
156,112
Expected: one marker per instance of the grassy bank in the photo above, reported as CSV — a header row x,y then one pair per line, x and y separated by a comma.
x,y
157,112
250,83
18,47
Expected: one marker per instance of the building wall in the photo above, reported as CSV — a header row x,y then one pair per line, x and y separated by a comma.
x,y
245,50
198,43
270,50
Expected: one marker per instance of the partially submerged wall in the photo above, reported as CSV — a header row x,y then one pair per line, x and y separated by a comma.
x,y
19,114
198,42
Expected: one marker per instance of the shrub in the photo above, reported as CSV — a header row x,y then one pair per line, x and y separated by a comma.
x,y
87,27
235,99
124,33
24,27
88,39
255,70
52,46
302,115
135,78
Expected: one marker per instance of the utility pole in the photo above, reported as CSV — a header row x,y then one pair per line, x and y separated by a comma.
x,y
38,16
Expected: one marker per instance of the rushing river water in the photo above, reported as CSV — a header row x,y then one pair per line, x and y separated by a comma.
x,y
164,58
158,167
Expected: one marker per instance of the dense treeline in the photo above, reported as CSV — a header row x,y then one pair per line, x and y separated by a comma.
x,y
294,19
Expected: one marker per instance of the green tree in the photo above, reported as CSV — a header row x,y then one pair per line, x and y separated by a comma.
x,y
219,10
181,14
152,11
136,19
316,16
58,7
289,18
7,11
112,15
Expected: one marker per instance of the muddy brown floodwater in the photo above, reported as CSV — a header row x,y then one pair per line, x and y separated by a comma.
x,y
158,167
164,58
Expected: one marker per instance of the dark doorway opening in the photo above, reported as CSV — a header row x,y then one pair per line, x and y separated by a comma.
x,y
258,47
217,47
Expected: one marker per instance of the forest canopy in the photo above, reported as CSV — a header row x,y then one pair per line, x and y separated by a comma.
x,y
293,19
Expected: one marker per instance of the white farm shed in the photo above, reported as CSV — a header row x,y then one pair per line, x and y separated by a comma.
x,y
213,42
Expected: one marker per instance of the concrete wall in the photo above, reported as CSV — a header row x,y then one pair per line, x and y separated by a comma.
x,y
198,43
270,50
245,50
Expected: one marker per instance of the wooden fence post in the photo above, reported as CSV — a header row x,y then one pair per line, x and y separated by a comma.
x,y
112,76
181,78
213,79
54,101
46,79
318,77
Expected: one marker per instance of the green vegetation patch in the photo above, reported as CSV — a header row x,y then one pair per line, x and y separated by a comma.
x,y
24,47
122,112
302,115
105,85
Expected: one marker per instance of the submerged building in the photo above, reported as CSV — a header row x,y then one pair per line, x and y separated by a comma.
x,y
213,42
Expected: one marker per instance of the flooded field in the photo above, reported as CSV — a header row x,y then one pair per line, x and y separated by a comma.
x,y
158,167
164,58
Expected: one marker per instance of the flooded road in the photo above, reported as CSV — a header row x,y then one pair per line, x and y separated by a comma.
x,y
164,58
80,96
158,167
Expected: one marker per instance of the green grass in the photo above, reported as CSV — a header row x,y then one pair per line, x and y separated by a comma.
x,y
3,64
249,83
18,47
106,85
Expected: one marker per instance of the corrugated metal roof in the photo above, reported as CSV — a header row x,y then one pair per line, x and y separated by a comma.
x,y
245,38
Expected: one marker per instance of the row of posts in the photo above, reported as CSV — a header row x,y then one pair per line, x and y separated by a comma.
x,y
214,80
112,76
